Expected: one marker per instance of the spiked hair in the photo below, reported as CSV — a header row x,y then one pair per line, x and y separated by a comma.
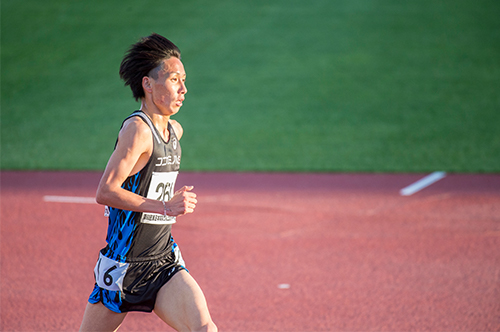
x,y
142,58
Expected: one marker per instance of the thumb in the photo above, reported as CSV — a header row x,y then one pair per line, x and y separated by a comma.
x,y
185,188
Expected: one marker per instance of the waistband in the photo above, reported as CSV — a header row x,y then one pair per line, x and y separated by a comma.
x,y
106,251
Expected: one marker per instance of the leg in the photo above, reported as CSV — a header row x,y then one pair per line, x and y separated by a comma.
x,y
181,304
99,318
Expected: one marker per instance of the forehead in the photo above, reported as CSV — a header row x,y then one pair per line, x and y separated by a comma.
x,y
172,65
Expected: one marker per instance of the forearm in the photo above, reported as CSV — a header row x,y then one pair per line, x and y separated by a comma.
x,y
127,200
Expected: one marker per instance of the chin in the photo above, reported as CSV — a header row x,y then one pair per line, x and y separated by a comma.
x,y
171,111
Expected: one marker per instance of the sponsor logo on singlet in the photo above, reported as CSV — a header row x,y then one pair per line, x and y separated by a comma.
x,y
168,160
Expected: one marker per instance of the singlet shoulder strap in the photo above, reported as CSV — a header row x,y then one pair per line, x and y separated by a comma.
x,y
148,122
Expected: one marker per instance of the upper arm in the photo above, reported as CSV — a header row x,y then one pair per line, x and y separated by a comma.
x,y
131,154
177,128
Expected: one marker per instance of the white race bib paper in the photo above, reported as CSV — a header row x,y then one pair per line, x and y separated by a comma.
x,y
161,188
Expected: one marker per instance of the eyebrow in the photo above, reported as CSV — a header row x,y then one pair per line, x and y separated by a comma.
x,y
176,73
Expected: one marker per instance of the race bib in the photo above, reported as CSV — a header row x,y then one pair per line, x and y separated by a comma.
x,y
109,273
161,188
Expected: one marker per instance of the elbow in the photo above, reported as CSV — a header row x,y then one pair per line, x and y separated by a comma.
x,y
101,196
99,200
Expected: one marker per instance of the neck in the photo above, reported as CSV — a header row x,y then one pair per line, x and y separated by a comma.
x,y
159,120
153,112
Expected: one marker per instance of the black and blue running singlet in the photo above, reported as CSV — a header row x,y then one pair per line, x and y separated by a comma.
x,y
141,255
135,234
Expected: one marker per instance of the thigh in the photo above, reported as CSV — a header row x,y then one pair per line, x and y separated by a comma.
x,y
182,305
99,318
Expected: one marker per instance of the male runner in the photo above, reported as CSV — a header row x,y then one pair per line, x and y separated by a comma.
x,y
141,268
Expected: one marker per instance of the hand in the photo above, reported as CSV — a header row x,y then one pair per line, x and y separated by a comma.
x,y
184,201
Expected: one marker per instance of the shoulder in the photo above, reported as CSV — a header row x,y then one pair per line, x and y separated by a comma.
x,y
177,128
135,132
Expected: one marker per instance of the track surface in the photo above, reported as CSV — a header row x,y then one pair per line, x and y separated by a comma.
x,y
274,252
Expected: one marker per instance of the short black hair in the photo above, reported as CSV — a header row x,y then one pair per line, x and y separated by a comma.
x,y
144,56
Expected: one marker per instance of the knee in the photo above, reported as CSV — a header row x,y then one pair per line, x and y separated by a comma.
x,y
210,327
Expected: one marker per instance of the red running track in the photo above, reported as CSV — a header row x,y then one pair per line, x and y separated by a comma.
x,y
274,252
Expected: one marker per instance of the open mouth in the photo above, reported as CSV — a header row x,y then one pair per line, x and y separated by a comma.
x,y
178,103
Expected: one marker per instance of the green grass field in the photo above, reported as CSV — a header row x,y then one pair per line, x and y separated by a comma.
x,y
321,86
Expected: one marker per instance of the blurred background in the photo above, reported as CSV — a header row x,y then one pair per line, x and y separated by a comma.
x,y
296,86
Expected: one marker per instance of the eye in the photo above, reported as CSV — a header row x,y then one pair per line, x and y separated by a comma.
x,y
174,79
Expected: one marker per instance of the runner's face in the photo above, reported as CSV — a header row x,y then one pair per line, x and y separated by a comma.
x,y
169,89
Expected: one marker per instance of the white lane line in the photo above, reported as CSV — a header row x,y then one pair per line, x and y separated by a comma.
x,y
422,183
69,199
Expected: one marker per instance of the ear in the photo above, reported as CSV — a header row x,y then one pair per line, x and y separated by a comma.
x,y
146,84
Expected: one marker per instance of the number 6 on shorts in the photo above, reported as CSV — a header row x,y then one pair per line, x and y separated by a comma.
x,y
109,273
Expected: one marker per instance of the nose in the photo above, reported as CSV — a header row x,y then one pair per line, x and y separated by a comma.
x,y
183,89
